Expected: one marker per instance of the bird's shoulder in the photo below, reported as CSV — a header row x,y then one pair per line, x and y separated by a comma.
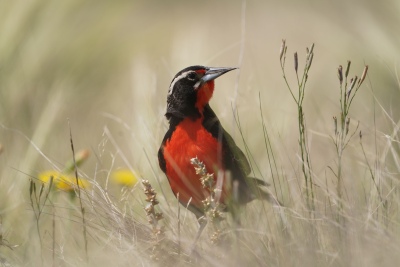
x,y
173,122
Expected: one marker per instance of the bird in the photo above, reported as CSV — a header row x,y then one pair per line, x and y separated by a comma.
x,y
196,132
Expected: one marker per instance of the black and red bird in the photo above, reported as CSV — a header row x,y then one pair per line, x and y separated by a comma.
x,y
195,131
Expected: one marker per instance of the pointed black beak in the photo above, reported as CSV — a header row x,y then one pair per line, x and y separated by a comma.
x,y
213,73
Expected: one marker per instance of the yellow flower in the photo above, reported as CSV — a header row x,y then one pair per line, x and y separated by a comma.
x,y
45,176
68,183
62,181
124,177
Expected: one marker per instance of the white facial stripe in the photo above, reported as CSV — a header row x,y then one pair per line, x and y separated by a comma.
x,y
183,75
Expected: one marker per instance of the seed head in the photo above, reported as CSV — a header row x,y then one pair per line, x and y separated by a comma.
x,y
348,68
340,74
310,59
312,48
363,75
283,48
335,124
347,125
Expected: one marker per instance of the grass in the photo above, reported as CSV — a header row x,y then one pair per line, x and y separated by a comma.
x,y
101,72
303,142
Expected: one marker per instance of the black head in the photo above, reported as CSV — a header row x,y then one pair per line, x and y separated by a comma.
x,y
190,91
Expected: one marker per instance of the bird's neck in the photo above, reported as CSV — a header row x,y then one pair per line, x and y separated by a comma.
x,y
175,120
204,95
207,116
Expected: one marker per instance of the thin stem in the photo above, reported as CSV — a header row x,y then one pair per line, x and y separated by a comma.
x,y
287,83
304,153
79,196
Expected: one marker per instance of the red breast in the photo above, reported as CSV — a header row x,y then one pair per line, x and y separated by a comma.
x,y
189,140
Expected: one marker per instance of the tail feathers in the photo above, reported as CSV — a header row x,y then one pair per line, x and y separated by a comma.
x,y
258,181
262,191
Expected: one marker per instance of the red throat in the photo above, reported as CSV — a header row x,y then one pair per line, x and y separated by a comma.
x,y
204,95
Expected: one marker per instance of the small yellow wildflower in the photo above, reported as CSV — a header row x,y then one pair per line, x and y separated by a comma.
x,y
68,183
62,181
124,177
44,177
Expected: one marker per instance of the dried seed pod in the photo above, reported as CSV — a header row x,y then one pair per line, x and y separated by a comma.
x,y
353,82
296,62
312,48
363,75
347,125
31,184
283,49
340,74
310,60
348,68
335,124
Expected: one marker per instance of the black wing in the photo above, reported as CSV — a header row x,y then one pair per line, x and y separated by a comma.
x,y
234,159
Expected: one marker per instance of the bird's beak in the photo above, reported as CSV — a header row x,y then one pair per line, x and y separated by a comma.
x,y
213,73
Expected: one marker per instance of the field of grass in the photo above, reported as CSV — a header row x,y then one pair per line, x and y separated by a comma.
x,y
97,73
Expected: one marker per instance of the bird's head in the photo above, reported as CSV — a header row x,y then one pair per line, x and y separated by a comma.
x,y
190,91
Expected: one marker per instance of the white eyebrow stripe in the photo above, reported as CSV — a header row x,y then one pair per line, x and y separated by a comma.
x,y
184,74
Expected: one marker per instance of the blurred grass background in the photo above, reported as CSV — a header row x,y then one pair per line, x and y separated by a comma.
x,y
106,67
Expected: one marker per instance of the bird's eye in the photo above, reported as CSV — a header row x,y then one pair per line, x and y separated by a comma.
x,y
192,76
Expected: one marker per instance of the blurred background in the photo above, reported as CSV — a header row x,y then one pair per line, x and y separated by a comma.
x,y
102,70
